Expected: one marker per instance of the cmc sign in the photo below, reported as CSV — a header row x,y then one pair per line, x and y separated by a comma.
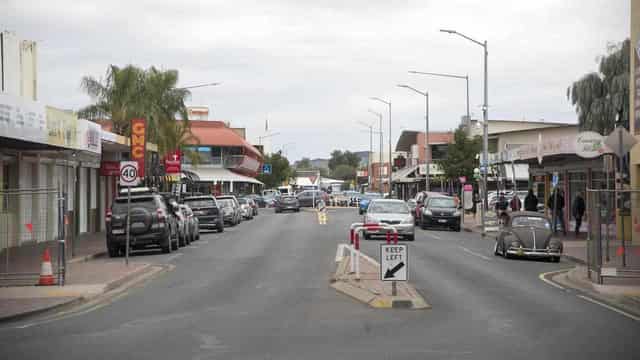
x,y
138,143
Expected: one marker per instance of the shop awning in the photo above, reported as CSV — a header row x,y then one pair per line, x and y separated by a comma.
x,y
220,174
403,175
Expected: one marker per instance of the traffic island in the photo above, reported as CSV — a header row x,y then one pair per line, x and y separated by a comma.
x,y
369,289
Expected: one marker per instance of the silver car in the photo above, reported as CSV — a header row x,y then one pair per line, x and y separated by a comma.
x,y
390,212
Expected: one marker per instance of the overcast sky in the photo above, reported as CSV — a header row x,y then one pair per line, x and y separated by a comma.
x,y
311,66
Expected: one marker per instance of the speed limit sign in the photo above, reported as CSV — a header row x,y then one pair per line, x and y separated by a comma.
x,y
128,173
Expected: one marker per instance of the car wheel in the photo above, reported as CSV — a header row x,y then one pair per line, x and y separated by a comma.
x,y
113,251
298,210
555,259
166,246
176,243
457,228
182,240
505,254
221,227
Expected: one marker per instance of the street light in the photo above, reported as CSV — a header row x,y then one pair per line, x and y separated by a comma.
x,y
388,103
199,85
427,150
266,136
370,157
465,77
379,115
485,117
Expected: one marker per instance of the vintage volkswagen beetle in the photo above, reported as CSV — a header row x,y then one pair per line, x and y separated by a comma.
x,y
528,234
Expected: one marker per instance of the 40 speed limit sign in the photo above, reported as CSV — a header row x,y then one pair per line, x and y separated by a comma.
x,y
128,173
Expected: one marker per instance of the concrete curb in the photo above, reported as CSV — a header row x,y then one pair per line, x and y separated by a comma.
x,y
57,307
129,280
341,283
87,257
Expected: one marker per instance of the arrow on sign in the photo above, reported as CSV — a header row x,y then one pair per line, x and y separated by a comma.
x,y
392,272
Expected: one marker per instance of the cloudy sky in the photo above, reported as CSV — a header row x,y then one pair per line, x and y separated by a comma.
x,y
311,66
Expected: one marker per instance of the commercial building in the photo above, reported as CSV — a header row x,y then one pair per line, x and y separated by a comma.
x,y
634,111
221,160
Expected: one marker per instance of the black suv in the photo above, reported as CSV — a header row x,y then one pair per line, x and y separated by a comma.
x,y
205,208
152,223
441,211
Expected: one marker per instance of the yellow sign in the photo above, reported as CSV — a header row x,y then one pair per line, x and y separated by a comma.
x,y
61,127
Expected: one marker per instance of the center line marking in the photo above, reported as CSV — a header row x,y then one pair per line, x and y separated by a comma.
x,y
435,236
474,253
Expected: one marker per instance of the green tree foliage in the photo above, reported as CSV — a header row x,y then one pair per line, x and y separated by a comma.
x,y
461,156
600,97
344,172
280,170
131,92
343,158
304,163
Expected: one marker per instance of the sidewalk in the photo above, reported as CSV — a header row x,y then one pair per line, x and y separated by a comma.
x,y
88,276
28,258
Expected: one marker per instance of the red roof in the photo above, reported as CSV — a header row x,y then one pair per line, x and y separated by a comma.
x,y
216,133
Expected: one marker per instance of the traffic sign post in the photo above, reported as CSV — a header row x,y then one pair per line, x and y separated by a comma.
x,y
393,264
266,169
128,178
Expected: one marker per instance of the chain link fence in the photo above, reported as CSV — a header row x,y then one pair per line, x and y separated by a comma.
x,y
31,220
609,253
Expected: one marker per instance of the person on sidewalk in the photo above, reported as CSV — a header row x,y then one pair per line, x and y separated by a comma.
x,y
577,211
558,214
501,209
531,201
515,203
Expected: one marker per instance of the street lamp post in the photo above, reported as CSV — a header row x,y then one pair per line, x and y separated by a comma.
x,y
266,136
485,126
199,85
370,157
379,115
427,150
388,103
465,77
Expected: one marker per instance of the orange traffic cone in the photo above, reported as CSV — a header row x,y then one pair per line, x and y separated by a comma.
x,y
46,272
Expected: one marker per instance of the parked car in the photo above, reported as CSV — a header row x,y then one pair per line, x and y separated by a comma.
x,y
307,197
412,204
441,211
390,212
254,206
421,199
364,201
205,209
528,234
245,209
183,227
192,223
259,200
231,213
287,202
269,199
152,223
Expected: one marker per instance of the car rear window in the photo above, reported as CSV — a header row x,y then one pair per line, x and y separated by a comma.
x,y
442,203
120,205
200,203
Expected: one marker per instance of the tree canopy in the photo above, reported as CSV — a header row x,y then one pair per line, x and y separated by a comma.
x,y
344,172
130,92
600,97
343,158
304,163
280,170
461,155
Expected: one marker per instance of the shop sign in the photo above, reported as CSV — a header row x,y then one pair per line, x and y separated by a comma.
x,y
172,162
138,143
589,144
110,168
22,119
362,173
61,128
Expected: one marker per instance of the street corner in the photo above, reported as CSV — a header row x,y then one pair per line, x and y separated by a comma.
x,y
369,289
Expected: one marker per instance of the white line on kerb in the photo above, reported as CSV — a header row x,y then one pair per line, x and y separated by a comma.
x,y
340,252
474,253
623,313
543,278
173,257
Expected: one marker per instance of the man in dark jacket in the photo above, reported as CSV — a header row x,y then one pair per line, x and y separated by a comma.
x,y
531,201
577,211
558,214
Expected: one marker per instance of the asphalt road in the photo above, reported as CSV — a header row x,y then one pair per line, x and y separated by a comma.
x,y
260,291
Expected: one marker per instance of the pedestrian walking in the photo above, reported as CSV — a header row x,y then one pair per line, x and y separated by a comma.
x,y
557,202
501,209
515,203
531,201
577,211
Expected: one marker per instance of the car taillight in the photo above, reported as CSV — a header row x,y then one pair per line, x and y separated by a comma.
x,y
162,217
108,216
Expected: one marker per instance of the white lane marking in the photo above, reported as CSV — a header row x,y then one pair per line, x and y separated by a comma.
x,y
173,257
193,246
543,278
434,235
474,253
623,313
